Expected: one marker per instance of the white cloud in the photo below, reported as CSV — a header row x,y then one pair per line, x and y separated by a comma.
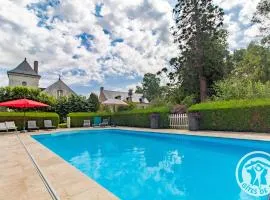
x,y
238,21
142,24
133,21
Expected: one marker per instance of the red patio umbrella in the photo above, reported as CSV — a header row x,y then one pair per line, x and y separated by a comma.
x,y
23,103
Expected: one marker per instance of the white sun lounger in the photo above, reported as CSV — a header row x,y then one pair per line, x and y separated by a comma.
x,y
32,125
48,124
3,126
11,125
105,122
86,123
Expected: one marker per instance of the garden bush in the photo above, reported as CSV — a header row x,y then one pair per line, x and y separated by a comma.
x,y
240,88
75,103
19,92
78,117
133,118
141,117
234,115
39,117
62,125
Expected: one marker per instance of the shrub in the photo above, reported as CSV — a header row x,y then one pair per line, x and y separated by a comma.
x,y
131,106
134,118
75,103
189,100
19,92
234,115
39,117
93,102
239,88
78,117
141,117
62,125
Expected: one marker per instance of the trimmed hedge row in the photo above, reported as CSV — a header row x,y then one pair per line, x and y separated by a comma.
x,y
234,115
39,117
134,118
78,117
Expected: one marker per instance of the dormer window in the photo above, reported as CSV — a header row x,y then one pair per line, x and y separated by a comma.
x,y
59,93
24,83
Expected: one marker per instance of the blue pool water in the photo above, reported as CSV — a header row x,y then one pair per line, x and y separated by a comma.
x,y
152,166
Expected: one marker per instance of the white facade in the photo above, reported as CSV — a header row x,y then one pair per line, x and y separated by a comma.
x,y
58,92
59,89
25,75
23,80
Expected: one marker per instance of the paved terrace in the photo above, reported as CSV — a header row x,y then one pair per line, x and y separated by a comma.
x,y
19,179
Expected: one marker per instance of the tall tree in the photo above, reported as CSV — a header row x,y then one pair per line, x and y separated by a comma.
x,y
262,17
250,77
150,86
197,32
138,89
93,102
254,63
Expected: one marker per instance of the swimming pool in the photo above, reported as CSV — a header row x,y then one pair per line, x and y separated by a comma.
x,y
153,166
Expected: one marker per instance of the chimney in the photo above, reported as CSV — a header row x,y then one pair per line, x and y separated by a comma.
x,y
36,66
101,89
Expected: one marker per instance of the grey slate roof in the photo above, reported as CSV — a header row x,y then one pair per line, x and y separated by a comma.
x,y
109,94
24,68
59,85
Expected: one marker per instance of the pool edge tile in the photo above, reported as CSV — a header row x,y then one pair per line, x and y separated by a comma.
x,y
67,181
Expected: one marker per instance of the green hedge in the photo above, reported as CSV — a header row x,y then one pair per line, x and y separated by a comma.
x,y
234,115
78,117
141,117
37,116
62,125
134,118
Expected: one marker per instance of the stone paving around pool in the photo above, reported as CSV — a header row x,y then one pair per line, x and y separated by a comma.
x,y
19,179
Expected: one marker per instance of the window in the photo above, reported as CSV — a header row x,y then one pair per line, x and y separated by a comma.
x,y
59,93
24,83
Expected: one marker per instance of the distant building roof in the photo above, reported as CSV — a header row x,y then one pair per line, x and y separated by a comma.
x,y
24,68
60,85
114,102
136,97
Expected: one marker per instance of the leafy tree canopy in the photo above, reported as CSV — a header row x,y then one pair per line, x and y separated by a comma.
x,y
262,17
150,86
202,44
252,63
19,92
93,102
250,77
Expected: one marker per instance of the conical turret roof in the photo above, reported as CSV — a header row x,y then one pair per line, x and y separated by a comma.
x,y
23,68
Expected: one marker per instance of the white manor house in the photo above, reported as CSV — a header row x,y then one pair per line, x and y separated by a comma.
x,y
25,75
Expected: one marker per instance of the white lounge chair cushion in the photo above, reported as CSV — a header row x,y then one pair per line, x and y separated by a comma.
x,y
86,123
105,121
3,126
11,125
48,123
32,124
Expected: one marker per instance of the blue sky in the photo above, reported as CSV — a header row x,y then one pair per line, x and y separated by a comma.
x,y
101,43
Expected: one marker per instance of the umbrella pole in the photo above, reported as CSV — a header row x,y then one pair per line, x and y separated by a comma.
x,y
23,119
23,131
